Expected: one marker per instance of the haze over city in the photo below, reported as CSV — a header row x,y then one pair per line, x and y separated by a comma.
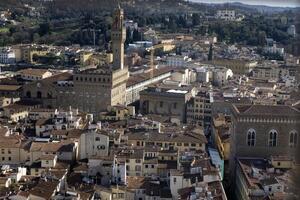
x,y
274,3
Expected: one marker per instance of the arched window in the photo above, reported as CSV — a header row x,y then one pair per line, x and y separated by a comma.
x,y
39,94
28,94
273,138
293,141
251,137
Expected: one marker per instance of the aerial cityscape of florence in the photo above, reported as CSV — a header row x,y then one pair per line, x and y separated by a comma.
x,y
149,100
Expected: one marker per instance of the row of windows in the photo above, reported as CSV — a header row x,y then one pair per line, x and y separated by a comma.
x,y
3,158
272,138
90,79
3,151
178,144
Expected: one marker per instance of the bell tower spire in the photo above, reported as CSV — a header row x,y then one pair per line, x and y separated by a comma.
x,y
118,36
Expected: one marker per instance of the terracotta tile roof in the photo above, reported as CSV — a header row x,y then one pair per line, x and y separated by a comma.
x,y
48,157
9,87
154,136
136,182
275,110
44,189
34,72
6,142
36,146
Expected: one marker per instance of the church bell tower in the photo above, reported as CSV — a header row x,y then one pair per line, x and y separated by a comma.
x,y
118,37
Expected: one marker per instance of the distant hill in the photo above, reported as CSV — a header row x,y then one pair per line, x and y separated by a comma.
x,y
262,8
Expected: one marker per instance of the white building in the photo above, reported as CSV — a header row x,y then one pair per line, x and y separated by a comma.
x,y
274,50
184,77
227,15
93,143
62,120
130,24
177,61
203,74
292,30
119,170
7,56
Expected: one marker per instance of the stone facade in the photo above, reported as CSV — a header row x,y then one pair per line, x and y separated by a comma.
x,y
90,90
199,109
165,102
264,131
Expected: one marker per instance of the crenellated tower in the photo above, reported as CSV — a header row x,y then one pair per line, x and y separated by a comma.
x,y
118,37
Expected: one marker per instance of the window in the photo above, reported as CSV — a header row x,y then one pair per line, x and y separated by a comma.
x,y
97,138
138,168
293,141
3,158
39,94
137,161
272,138
174,180
9,158
179,144
47,162
161,104
152,166
28,94
146,166
186,144
175,105
138,143
251,137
